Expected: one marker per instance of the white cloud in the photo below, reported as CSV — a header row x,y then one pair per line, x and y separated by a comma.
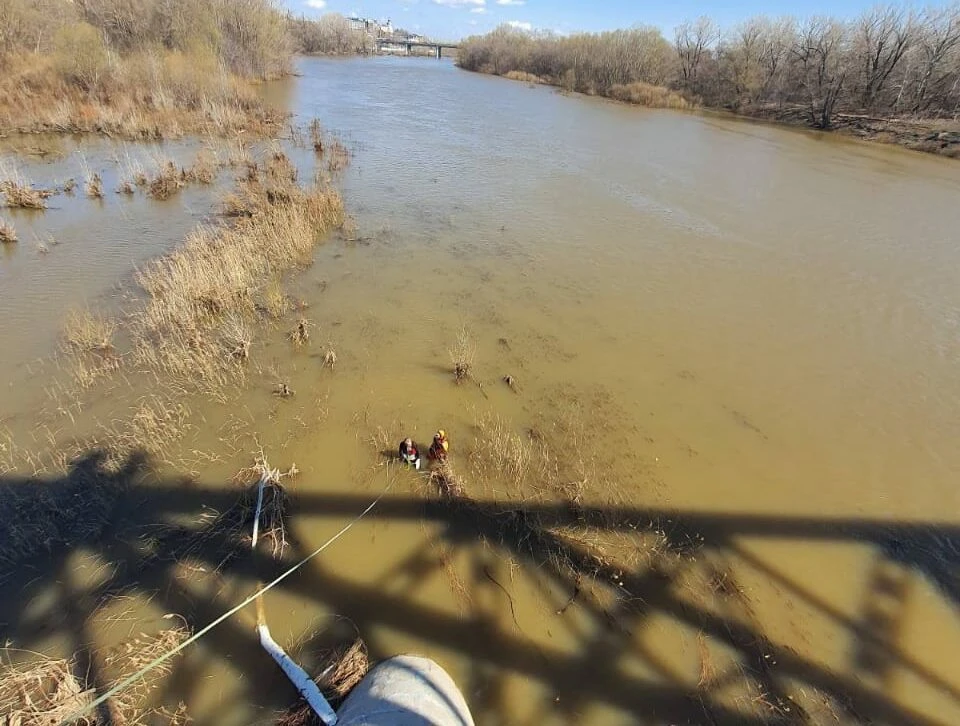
x,y
526,27
478,10
316,4
461,3
511,2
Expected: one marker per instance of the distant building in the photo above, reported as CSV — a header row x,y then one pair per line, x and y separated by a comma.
x,y
373,28
360,24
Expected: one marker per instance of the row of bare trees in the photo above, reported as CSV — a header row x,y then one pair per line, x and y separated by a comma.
x,y
331,34
890,61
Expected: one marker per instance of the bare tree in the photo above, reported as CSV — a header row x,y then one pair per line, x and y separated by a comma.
x,y
939,40
821,67
693,41
882,37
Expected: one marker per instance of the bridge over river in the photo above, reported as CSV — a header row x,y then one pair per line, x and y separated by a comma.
x,y
407,46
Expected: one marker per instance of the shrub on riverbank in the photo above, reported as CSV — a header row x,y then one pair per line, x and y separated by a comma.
x,y
156,70
887,63
644,94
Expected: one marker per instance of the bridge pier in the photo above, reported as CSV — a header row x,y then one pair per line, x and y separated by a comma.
x,y
439,52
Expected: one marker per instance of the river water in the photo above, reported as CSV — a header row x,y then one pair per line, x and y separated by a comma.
x,y
748,331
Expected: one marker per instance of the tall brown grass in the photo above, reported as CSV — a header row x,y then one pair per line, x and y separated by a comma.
x,y
226,273
149,95
645,94
19,192
8,234
45,690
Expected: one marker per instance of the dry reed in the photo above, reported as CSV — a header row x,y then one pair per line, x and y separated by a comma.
x,y
86,332
338,156
646,94
18,192
462,355
316,136
341,669
8,234
94,186
166,181
44,690
300,335
222,271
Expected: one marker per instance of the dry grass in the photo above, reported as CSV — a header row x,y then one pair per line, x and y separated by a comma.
x,y
142,96
8,235
645,94
316,136
18,192
338,157
330,358
86,332
203,170
166,181
341,669
462,354
44,691
523,76
220,274
94,186
300,335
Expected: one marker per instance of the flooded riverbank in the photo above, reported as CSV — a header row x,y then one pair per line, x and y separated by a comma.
x,y
742,337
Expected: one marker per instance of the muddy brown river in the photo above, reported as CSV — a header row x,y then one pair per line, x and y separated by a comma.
x,y
747,337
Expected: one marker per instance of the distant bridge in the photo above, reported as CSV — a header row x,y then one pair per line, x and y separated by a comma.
x,y
409,45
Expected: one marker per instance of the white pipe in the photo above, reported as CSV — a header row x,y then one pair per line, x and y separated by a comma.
x,y
303,683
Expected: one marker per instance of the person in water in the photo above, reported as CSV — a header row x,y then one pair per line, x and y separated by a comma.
x,y
409,453
439,447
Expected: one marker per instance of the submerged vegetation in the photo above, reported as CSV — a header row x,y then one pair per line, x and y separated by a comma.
x,y
891,71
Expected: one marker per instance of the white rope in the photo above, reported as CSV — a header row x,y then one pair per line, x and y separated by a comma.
x,y
130,680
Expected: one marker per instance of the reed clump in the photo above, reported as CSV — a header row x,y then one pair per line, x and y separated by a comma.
x,y
8,234
20,193
462,354
647,94
166,182
341,670
86,332
45,690
94,186
225,272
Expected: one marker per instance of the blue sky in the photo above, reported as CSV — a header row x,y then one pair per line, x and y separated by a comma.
x,y
452,19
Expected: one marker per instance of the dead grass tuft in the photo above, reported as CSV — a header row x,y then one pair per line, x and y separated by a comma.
x,y
18,192
338,156
166,181
316,136
341,670
47,690
224,273
645,94
86,332
94,186
462,354
300,335
330,358
8,235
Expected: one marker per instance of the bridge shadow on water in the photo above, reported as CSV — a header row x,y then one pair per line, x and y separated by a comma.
x,y
44,523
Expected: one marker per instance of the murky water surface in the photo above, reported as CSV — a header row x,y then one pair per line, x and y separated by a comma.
x,y
744,334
